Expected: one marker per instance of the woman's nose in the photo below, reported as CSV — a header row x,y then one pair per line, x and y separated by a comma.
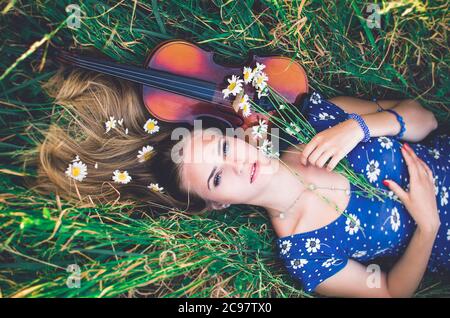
x,y
239,166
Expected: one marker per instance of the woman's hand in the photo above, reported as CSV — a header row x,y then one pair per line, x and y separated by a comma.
x,y
420,201
335,143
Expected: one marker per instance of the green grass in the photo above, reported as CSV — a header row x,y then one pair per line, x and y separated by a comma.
x,y
121,250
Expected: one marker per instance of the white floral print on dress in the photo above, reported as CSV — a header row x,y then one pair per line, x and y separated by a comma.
x,y
312,245
298,263
325,116
285,246
372,170
385,142
352,224
315,98
444,196
395,219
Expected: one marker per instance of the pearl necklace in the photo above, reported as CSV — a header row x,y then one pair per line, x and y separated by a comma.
x,y
311,187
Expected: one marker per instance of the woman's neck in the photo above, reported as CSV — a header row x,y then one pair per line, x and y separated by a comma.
x,y
276,195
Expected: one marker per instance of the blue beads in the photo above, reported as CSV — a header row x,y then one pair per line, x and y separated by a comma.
x,y
362,124
400,120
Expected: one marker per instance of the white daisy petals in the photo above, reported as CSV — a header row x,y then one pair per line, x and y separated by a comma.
x,y
77,170
145,153
121,177
151,126
110,124
155,187
234,87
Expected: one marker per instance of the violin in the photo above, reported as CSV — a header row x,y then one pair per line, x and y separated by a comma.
x,y
181,82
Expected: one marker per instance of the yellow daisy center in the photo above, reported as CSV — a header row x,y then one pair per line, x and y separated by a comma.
x,y
148,155
259,80
75,171
246,75
151,125
122,176
232,86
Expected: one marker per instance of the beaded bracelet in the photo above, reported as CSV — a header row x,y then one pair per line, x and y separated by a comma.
x,y
400,120
362,124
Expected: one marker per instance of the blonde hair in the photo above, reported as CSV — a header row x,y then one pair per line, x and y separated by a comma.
x,y
88,100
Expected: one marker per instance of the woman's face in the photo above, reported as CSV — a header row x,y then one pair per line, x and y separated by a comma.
x,y
219,168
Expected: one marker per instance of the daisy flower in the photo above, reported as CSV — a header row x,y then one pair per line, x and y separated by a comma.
x,y
267,149
110,124
246,111
395,219
234,86
312,245
260,80
121,177
258,68
243,101
151,126
372,170
352,224
315,98
298,263
285,246
262,92
260,129
385,142
155,187
248,75
77,170
293,129
145,154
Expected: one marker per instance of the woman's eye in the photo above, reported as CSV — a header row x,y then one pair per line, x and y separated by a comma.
x,y
225,147
217,179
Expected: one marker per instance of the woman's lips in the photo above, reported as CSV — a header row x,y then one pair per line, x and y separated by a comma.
x,y
254,171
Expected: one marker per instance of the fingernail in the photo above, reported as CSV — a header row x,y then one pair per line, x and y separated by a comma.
x,y
386,183
407,146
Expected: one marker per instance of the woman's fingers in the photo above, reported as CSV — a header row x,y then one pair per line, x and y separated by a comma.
x,y
422,167
410,162
426,170
324,158
392,185
309,148
333,162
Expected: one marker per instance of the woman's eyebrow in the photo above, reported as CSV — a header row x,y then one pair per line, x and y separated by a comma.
x,y
215,167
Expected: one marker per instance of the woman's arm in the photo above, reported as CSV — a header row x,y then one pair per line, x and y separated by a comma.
x,y
405,276
357,280
419,121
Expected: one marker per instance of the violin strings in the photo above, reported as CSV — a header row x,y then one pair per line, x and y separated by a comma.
x,y
98,67
141,73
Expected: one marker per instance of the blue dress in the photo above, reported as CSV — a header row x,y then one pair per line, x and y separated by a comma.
x,y
376,229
